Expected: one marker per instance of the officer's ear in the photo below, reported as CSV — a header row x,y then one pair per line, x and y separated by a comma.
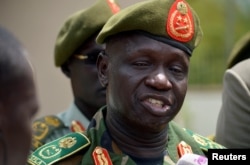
x,y
102,66
65,69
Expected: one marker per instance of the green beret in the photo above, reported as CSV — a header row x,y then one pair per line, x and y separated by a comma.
x,y
80,26
171,21
240,51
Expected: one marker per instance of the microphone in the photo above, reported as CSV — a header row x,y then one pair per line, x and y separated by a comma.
x,y
192,159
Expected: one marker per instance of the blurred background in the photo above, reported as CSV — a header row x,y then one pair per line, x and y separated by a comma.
x,y
37,22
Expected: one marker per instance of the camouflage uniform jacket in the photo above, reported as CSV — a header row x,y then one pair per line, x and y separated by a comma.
x,y
99,143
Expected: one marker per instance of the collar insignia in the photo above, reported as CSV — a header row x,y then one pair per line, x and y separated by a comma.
x,y
76,126
101,156
184,148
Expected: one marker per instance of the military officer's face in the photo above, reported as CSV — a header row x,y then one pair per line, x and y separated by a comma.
x,y
87,89
147,80
19,106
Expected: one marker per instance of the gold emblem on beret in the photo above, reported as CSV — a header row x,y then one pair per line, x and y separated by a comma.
x,y
182,7
180,23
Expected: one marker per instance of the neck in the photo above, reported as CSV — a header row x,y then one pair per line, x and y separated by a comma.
x,y
134,141
86,110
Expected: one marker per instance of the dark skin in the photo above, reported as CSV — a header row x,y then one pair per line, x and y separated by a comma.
x,y
88,93
18,100
146,85
18,107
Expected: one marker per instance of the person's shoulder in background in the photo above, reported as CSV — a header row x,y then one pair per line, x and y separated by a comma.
x,y
233,120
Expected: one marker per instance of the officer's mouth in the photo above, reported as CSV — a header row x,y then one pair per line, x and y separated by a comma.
x,y
156,106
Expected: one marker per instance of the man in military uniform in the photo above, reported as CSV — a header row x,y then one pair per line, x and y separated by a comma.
x,y
76,53
232,129
145,69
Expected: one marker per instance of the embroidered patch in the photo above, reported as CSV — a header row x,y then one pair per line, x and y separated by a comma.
x,y
204,142
184,148
113,6
42,128
180,23
101,156
59,149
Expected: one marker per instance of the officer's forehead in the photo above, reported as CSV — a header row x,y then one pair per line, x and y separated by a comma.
x,y
122,39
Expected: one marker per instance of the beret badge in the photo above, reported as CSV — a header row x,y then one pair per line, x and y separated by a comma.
x,y
180,23
113,6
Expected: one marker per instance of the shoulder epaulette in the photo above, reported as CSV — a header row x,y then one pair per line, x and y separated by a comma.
x,y
59,149
42,128
204,142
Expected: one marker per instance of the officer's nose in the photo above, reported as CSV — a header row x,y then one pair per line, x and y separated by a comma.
x,y
158,80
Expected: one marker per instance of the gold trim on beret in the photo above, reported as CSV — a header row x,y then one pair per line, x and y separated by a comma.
x,y
80,26
164,20
240,51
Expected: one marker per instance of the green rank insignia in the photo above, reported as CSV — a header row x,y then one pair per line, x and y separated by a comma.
x,y
204,142
59,149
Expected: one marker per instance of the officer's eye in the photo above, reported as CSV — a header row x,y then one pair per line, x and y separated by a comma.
x,y
176,70
141,64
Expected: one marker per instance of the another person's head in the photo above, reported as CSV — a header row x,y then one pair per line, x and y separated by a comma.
x,y
76,53
240,51
146,62
18,100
